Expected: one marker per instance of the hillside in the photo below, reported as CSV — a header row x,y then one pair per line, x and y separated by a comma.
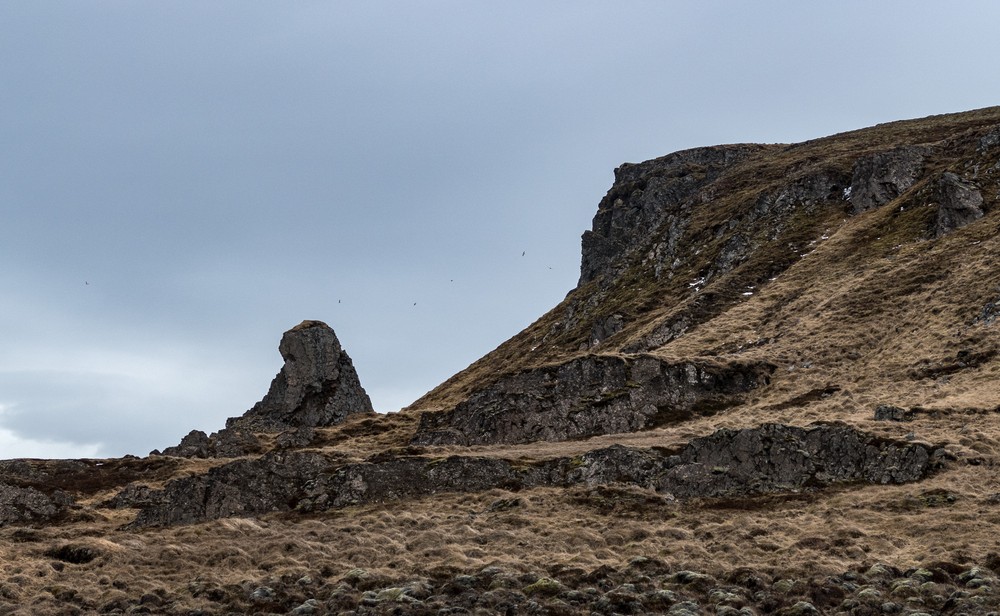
x,y
774,390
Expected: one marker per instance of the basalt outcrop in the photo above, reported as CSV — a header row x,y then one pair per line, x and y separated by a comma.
x,y
591,395
881,177
727,463
959,203
317,386
679,240
26,505
649,198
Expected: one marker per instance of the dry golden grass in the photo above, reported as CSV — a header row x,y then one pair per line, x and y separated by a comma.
x,y
949,517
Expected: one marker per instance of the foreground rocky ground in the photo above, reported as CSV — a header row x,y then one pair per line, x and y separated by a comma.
x,y
774,391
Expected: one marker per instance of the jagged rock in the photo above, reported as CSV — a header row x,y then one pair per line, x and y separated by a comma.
x,y
879,178
295,439
135,495
989,141
226,443
643,197
317,386
273,482
413,476
195,445
776,457
727,463
588,396
605,328
20,505
959,203
989,313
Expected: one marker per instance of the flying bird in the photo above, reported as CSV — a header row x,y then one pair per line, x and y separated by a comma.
x,y
522,253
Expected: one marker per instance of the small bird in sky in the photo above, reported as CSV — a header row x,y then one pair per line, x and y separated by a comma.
x,y
522,252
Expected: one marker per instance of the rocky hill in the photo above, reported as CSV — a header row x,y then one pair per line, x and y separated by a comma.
x,y
774,390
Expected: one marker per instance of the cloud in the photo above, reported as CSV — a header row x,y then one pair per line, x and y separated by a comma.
x,y
14,446
170,208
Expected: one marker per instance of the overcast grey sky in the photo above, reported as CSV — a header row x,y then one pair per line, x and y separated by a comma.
x,y
181,182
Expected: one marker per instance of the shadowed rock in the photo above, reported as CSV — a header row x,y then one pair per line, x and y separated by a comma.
x,y
879,178
273,482
727,463
316,387
644,196
589,396
21,505
959,203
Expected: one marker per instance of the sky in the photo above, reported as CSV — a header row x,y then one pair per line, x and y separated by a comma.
x,y
181,182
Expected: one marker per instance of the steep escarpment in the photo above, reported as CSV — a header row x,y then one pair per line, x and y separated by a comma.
x,y
743,253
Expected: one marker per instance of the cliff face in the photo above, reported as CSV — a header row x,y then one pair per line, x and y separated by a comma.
x,y
718,252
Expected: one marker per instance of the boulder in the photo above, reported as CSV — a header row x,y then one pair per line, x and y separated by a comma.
x,y
888,412
879,178
959,203
26,505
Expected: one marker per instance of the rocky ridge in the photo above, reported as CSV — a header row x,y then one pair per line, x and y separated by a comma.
x,y
589,396
728,463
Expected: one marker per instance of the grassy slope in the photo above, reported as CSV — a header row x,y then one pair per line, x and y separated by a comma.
x,y
874,314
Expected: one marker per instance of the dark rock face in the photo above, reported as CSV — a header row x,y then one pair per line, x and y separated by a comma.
x,y
989,141
728,463
226,443
879,178
605,328
274,482
21,505
776,457
644,196
398,478
317,386
959,203
589,396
